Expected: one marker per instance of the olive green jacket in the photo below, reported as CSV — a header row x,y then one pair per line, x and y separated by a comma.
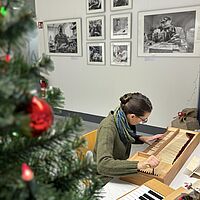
x,y
110,153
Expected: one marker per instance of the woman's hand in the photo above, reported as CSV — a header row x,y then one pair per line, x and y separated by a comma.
x,y
150,139
150,162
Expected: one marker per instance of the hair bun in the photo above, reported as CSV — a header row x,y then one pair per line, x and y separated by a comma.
x,y
124,99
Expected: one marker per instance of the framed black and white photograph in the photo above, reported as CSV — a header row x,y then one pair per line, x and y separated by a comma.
x,y
121,26
96,53
120,53
95,28
120,4
63,37
94,6
170,32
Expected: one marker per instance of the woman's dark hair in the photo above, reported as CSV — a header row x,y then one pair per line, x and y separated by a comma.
x,y
135,103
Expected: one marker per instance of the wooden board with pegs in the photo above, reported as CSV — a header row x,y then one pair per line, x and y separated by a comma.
x,y
173,150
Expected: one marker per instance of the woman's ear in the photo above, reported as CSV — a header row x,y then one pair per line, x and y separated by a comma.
x,y
132,115
131,119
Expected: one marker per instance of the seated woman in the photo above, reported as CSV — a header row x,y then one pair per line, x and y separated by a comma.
x,y
117,132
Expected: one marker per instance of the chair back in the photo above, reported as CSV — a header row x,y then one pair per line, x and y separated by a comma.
x,y
90,138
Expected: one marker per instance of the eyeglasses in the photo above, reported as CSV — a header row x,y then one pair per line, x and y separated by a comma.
x,y
143,120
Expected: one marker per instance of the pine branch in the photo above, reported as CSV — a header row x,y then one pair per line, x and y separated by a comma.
x,y
21,149
53,157
59,172
13,30
55,97
45,64
82,175
17,83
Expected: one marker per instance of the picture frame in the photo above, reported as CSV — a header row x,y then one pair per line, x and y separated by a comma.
x,y
120,26
63,37
120,4
96,28
96,53
95,6
120,53
169,32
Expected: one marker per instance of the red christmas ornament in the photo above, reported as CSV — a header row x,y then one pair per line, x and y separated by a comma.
x,y
43,85
27,174
41,115
181,114
8,58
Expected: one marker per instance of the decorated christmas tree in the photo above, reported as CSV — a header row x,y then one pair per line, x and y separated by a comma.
x,y
38,155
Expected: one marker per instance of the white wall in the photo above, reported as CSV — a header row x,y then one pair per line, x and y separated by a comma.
x,y
170,82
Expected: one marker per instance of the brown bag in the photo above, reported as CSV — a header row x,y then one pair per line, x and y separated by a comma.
x,y
190,112
186,119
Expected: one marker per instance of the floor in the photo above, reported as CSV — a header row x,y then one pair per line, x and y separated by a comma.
x,y
86,125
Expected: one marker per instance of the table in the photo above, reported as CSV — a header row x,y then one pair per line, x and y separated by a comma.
x,y
116,188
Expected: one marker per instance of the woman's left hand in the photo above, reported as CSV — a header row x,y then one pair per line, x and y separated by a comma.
x,y
150,139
